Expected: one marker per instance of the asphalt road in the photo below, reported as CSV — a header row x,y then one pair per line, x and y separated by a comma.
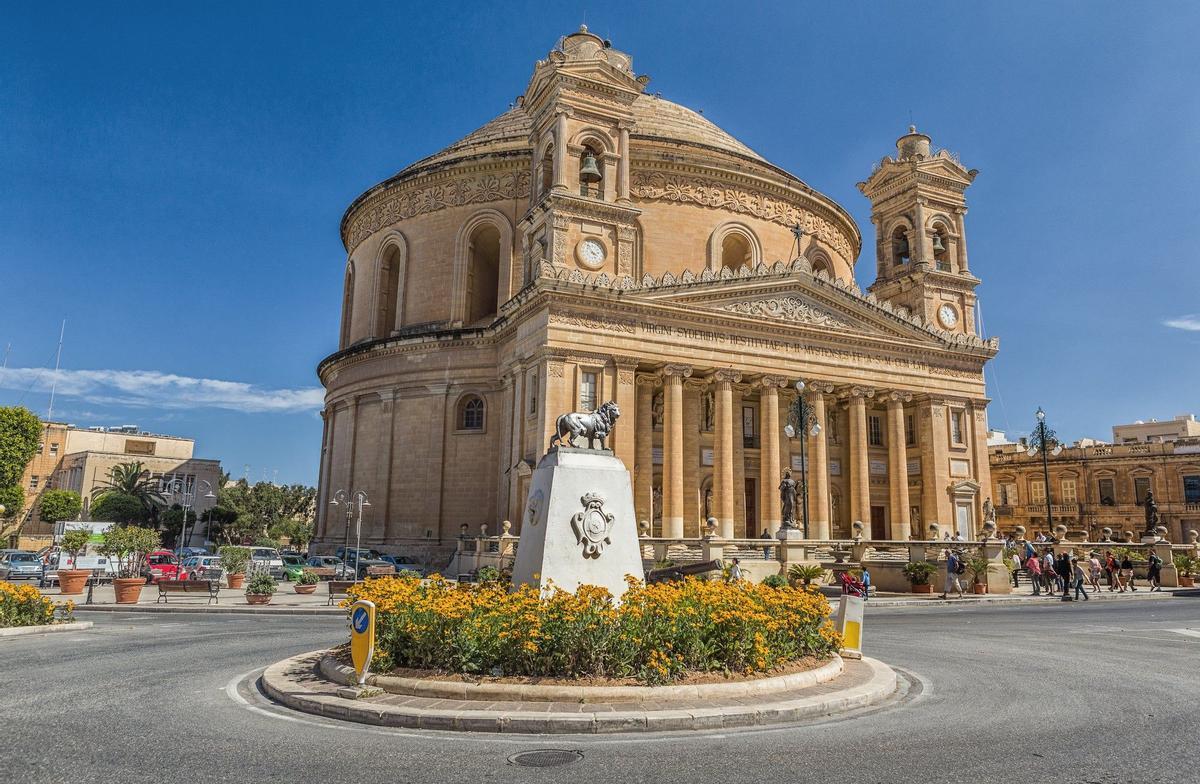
x,y
1076,694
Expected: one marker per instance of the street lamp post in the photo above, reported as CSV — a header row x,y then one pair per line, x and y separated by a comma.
x,y
1045,441
355,499
803,420
179,491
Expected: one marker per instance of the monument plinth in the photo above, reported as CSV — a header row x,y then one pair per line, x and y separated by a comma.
x,y
579,526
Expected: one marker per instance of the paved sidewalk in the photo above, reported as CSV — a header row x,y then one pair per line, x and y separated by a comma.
x,y
1021,596
285,601
298,683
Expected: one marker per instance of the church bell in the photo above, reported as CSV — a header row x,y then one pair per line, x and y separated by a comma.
x,y
589,172
937,242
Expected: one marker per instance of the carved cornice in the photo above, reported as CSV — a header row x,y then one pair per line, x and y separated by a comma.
x,y
662,186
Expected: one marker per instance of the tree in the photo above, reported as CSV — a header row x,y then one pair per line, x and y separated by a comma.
x,y
134,480
116,507
12,498
20,432
298,532
172,522
58,505
246,512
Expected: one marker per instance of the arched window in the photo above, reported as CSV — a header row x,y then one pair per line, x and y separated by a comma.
x,y
900,250
470,413
388,293
347,304
736,251
820,263
483,273
546,171
941,249
591,173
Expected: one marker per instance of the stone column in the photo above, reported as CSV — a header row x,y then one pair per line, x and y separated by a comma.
x,y
560,152
324,491
898,466
623,167
860,478
390,524
436,486
643,473
723,426
935,465
625,432
693,505
769,472
818,466
673,376
980,465
515,453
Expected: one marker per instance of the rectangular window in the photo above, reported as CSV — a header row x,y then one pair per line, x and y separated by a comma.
x,y
33,482
874,431
41,447
1037,491
1007,493
1107,491
1141,486
533,394
53,449
910,430
749,436
956,427
1191,489
587,391
1068,491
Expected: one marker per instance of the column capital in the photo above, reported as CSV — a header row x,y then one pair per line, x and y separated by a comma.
x,y
860,392
770,382
624,362
823,387
724,376
675,371
698,384
899,397
648,380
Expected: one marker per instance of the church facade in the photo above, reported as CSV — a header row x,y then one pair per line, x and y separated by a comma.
x,y
597,242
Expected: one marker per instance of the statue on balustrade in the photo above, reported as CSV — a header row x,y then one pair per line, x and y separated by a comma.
x,y
787,498
1151,514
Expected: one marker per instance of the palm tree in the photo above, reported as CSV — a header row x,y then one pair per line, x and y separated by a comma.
x,y
132,479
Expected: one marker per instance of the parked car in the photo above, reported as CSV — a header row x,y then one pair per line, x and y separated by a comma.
x,y
203,567
161,565
267,558
188,552
293,565
404,563
20,565
327,562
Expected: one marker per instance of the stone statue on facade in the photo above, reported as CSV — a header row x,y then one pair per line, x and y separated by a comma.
x,y
989,511
787,498
594,426
1151,515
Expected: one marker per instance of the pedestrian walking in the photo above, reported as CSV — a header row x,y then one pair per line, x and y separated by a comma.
x,y
866,583
1034,566
1016,569
1111,567
766,549
1154,571
954,567
1125,574
1049,573
1062,568
1094,572
735,571
1077,574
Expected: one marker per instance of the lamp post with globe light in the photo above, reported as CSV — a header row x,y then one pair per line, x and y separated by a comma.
x,y
184,494
1045,440
354,500
802,420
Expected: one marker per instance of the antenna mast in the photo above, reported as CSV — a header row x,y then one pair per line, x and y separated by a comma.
x,y
57,361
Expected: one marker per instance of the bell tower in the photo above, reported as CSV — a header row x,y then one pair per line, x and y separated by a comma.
x,y
918,204
580,103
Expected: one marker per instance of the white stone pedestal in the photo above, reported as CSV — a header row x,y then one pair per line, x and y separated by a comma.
x,y
579,526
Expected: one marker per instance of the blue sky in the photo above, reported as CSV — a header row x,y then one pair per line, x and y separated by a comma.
x,y
174,175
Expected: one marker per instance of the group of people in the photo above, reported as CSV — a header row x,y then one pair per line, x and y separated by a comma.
x,y
1062,573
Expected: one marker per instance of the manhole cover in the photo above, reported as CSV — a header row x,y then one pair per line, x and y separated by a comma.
x,y
545,758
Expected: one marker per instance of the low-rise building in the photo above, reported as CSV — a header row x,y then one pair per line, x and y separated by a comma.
x,y
1097,486
1156,432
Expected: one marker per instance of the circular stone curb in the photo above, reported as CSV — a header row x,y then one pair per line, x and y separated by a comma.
x,y
283,684
22,631
331,670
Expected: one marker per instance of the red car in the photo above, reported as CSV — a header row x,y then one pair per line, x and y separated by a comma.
x,y
161,565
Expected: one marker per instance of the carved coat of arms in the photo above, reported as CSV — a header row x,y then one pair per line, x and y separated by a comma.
x,y
592,526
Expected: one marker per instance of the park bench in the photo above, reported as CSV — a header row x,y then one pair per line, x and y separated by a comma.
x,y
210,588
338,588
380,571
322,572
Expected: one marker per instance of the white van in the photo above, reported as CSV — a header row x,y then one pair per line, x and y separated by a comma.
x,y
103,567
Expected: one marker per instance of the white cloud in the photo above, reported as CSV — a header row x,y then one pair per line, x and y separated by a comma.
x,y
152,389
1190,323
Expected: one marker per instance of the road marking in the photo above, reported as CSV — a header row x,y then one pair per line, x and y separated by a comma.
x,y
1185,632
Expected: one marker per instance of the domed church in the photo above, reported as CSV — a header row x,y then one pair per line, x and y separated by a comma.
x,y
597,242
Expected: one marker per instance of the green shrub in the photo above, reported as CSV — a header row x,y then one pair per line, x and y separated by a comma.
x,y
261,582
234,559
488,574
920,572
307,578
804,574
23,605
775,581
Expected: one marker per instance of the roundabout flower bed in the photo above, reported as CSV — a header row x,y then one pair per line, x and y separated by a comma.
x,y
658,634
22,605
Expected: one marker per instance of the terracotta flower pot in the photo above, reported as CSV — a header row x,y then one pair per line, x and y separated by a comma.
x,y
128,589
258,598
1187,582
978,589
72,581
305,588
922,588
235,580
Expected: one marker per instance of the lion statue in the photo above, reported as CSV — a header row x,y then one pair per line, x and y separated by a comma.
x,y
596,425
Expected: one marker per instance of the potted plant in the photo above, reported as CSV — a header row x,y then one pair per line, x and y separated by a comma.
x,y
260,587
128,546
74,542
233,562
306,582
1187,566
804,574
919,574
979,567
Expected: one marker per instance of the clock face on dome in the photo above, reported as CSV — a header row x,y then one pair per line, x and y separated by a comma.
x,y
948,316
591,253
